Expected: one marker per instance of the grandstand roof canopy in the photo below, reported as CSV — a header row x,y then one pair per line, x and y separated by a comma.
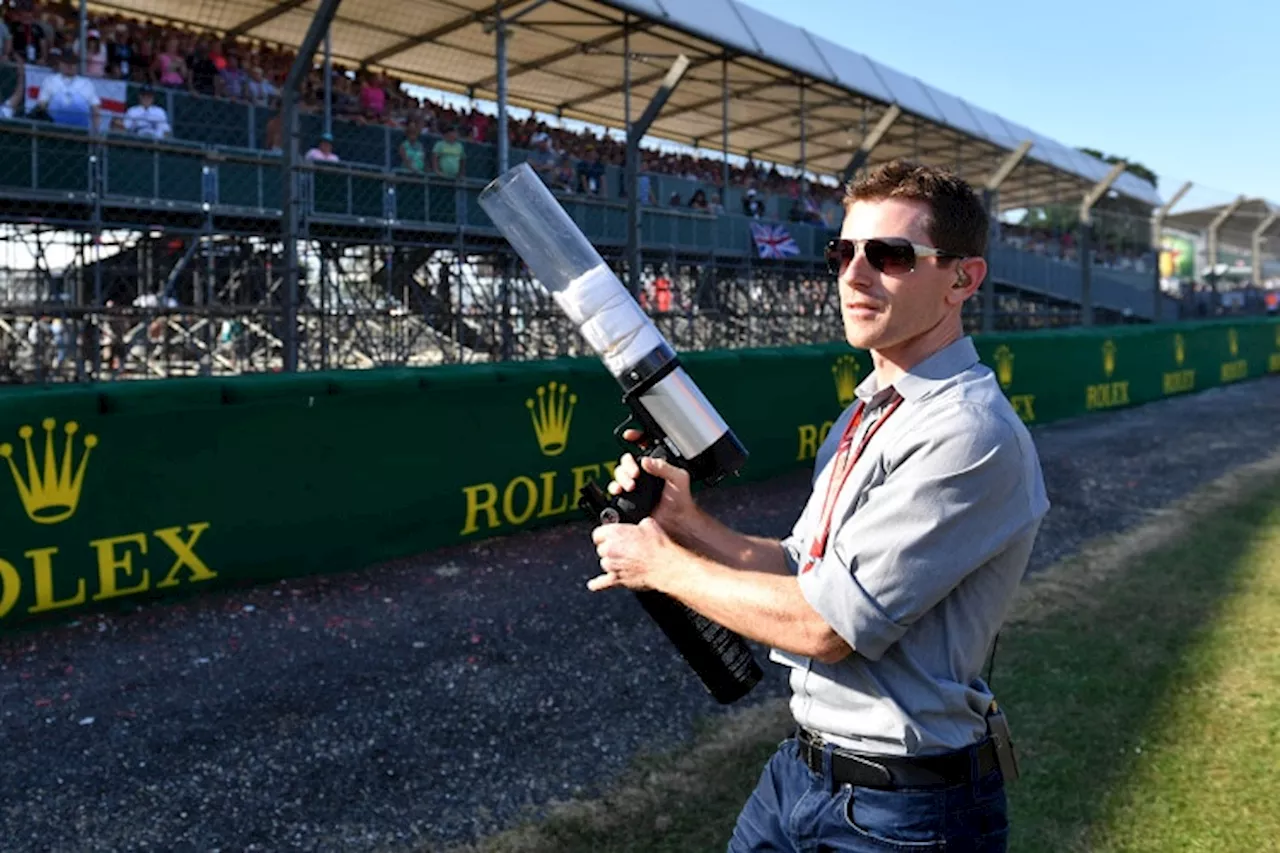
x,y
1236,230
566,57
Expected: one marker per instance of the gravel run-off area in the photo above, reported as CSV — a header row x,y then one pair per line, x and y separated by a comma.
x,y
446,696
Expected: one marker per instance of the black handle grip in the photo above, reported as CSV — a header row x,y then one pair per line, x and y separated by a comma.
x,y
719,657
639,503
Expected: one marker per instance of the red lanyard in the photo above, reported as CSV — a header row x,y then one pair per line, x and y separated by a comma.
x,y
840,474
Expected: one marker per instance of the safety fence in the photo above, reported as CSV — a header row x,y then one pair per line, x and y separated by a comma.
x,y
118,492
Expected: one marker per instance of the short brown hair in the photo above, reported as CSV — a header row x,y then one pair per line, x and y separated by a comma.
x,y
957,218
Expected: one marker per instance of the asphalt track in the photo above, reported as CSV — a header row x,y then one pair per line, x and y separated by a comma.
x,y
443,697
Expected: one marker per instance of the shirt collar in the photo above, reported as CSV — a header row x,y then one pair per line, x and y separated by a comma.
x,y
924,377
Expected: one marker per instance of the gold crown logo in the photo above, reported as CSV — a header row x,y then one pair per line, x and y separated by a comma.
x,y
1004,366
1179,349
50,495
551,415
1233,342
1109,358
845,372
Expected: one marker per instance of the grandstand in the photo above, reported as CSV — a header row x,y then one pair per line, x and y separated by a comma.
x,y
132,253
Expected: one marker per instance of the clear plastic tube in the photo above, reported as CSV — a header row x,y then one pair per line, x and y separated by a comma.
x,y
569,267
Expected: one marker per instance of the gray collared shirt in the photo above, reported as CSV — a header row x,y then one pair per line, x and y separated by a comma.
x,y
930,538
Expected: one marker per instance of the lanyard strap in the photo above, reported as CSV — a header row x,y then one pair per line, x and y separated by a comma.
x,y
840,471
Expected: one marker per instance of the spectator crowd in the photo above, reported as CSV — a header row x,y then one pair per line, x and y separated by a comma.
x,y
159,55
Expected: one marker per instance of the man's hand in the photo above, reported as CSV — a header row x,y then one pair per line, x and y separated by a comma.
x,y
676,511
632,555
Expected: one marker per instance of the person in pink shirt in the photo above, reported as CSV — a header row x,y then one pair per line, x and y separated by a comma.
x,y
95,55
373,98
170,69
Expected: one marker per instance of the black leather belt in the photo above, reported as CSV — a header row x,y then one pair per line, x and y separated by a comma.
x,y
898,771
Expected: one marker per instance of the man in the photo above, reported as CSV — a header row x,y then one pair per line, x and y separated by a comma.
x,y
543,159
591,173
67,97
147,118
448,156
886,621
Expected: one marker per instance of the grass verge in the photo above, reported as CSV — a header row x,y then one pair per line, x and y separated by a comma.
x,y
1142,678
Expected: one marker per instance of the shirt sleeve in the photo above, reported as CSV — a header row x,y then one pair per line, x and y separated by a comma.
x,y
954,495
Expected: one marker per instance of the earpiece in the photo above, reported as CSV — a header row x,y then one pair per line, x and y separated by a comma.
x,y
963,280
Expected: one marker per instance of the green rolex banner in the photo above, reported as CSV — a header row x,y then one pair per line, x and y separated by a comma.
x,y
119,492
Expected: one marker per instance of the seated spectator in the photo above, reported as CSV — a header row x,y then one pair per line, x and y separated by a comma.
x,y
751,205
716,207
119,52
324,150
216,56
591,173
413,155
346,105
147,118
203,76
29,40
543,159
566,175
373,98
698,201
448,156
95,55
644,189
260,91
169,68
67,97
232,80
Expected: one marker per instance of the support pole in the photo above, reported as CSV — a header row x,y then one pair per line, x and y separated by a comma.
x,y
724,129
1259,234
84,28
289,194
1157,229
804,177
1214,227
1006,167
626,73
328,80
870,141
991,201
1086,240
636,133
500,33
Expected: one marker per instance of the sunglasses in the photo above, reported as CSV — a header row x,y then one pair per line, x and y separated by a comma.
x,y
890,255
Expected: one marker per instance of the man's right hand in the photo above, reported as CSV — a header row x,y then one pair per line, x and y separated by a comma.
x,y
676,510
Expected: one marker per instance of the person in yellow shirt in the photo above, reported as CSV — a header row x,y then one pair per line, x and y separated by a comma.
x,y
448,157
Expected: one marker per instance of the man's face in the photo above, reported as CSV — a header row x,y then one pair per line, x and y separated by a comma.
x,y
879,310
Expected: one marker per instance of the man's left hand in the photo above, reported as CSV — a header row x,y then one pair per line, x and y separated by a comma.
x,y
632,555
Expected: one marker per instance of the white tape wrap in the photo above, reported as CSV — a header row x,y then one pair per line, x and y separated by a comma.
x,y
612,322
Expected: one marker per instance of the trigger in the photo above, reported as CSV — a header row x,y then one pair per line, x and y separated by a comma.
x,y
622,427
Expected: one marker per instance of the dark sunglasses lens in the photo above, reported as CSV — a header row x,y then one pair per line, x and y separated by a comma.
x,y
891,257
839,254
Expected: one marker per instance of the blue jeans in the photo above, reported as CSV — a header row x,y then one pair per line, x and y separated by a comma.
x,y
796,810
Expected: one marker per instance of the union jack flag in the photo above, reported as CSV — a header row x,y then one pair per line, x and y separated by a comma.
x,y
773,241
